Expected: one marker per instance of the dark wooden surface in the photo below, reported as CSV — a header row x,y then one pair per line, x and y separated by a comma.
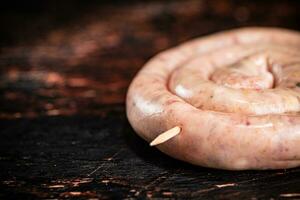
x,y
65,68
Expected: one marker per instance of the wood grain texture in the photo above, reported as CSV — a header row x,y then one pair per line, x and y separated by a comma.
x,y
64,133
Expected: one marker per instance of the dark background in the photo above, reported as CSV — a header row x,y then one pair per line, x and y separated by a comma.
x,y
65,69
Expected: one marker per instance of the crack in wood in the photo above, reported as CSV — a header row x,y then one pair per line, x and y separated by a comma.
x,y
103,164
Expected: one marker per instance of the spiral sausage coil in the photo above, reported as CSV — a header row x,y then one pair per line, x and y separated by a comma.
x,y
235,96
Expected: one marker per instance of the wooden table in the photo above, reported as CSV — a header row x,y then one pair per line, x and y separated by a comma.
x,y
65,69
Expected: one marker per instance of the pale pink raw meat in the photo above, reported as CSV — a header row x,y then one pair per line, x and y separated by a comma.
x,y
235,95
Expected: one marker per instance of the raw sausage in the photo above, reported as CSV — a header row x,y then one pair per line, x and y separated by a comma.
x,y
235,96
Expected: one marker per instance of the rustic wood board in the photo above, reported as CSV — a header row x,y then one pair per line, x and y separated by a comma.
x,y
64,75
